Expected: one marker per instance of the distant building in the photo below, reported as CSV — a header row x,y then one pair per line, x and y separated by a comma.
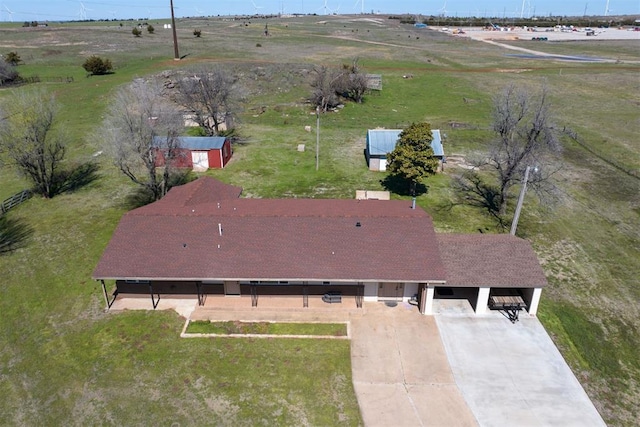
x,y
380,142
198,152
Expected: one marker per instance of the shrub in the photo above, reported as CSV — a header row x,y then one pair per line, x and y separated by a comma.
x,y
12,58
97,66
197,32
8,73
136,32
150,29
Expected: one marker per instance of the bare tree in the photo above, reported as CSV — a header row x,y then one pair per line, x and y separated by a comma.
x,y
29,141
353,82
138,114
210,96
324,88
330,84
525,137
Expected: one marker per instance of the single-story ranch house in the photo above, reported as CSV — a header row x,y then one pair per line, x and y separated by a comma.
x,y
380,142
197,152
203,239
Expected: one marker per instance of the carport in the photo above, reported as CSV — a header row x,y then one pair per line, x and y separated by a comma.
x,y
481,266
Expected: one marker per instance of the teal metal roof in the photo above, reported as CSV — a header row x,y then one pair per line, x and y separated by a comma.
x,y
383,141
194,142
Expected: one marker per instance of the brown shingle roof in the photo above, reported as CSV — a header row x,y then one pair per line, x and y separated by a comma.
x,y
496,260
285,239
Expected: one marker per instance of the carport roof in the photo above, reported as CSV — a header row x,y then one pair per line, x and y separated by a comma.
x,y
199,231
495,260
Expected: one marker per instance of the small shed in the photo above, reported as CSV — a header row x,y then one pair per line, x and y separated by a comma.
x,y
380,142
198,152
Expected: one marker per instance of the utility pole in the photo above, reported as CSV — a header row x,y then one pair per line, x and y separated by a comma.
x,y
176,55
317,137
516,216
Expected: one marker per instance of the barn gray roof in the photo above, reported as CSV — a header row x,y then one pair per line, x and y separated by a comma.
x,y
193,142
383,141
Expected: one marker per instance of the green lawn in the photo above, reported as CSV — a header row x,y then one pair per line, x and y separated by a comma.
x,y
267,328
63,360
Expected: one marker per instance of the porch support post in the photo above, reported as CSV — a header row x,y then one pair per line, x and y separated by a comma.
x,y
483,300
535,300
106,295
154,302
426,299
200,298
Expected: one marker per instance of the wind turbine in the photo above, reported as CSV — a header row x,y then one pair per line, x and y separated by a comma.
x,y
83,12
9,12
361,6
606,9
198,12
255,7
443,10
326,8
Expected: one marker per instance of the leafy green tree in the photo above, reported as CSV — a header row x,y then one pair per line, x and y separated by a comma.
x,y
97,66
413,158
12,58
136,32
150,29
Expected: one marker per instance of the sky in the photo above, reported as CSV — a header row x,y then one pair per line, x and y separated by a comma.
x,y
62,10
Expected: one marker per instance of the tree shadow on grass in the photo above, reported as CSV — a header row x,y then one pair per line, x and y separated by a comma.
x,y
398,185
13,234
142,196
472,190
78,177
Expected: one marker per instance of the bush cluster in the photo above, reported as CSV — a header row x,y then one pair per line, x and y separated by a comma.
x,y
97,66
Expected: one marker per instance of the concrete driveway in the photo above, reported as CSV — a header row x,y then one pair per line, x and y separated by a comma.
x,y
400,371
513,374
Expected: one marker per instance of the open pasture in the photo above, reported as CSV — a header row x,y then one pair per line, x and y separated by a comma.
x,y
63,360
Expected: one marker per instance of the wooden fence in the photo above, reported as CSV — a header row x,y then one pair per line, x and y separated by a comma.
x,y
14,201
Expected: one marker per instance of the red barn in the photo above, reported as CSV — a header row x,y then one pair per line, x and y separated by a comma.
x,y
198,152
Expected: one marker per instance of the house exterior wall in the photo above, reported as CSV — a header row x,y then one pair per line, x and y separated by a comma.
x,y
371,292
218,158
531,297
377,164
410,289
182,160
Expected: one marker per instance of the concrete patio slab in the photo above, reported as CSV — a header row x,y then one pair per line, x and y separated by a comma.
x,y
513,374
400,371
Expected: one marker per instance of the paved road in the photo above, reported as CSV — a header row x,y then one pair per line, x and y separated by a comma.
x,y
513,374
400,370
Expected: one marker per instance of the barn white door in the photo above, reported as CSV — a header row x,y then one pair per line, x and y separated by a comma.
x,y
200,160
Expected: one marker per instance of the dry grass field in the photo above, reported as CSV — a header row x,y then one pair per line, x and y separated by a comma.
x,y
63,360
